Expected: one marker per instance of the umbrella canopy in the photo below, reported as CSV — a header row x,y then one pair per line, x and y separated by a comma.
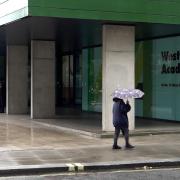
x,y
127,93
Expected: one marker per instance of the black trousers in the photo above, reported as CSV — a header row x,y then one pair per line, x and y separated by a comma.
x,y
125,132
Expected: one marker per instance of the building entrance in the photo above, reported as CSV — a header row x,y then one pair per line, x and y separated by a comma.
x,y
69,81
67,96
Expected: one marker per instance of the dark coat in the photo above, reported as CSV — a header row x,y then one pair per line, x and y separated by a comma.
x,y
120,110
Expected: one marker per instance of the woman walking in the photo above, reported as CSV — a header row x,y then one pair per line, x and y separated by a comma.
x,y
120,122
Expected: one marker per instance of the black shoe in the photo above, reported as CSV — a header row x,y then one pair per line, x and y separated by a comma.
x,y
129,146
116,147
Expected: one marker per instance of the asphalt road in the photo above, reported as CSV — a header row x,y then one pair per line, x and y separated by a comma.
x,y
153,174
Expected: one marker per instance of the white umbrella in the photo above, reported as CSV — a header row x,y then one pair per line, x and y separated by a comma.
x,y
127,93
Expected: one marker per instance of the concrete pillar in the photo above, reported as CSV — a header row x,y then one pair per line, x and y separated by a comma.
x,y
42,79
17,80
118,68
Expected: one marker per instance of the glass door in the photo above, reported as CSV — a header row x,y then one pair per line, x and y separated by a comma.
x,y
67,80
78,79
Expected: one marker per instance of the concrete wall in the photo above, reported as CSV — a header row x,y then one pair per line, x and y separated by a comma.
x,y
42,79
118,68
17,80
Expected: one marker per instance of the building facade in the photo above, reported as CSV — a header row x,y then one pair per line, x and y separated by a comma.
x,y
75,53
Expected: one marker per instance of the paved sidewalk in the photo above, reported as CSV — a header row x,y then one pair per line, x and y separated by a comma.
x,y
30,147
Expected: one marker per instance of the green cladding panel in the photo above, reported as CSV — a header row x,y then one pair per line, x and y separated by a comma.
x,y
154,11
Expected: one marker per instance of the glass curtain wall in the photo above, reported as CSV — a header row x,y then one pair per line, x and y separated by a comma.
x,y
92,79
158,74
80,81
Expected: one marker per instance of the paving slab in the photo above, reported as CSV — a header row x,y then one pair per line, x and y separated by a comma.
x,y
30,147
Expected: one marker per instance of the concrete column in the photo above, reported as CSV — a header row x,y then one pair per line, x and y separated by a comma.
x,y
118,68
42,79
17,80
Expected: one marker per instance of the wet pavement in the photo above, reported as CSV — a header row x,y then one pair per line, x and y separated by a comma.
x,y
26,142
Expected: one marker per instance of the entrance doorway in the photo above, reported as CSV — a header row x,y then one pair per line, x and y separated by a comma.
x,y
69,81
67,96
